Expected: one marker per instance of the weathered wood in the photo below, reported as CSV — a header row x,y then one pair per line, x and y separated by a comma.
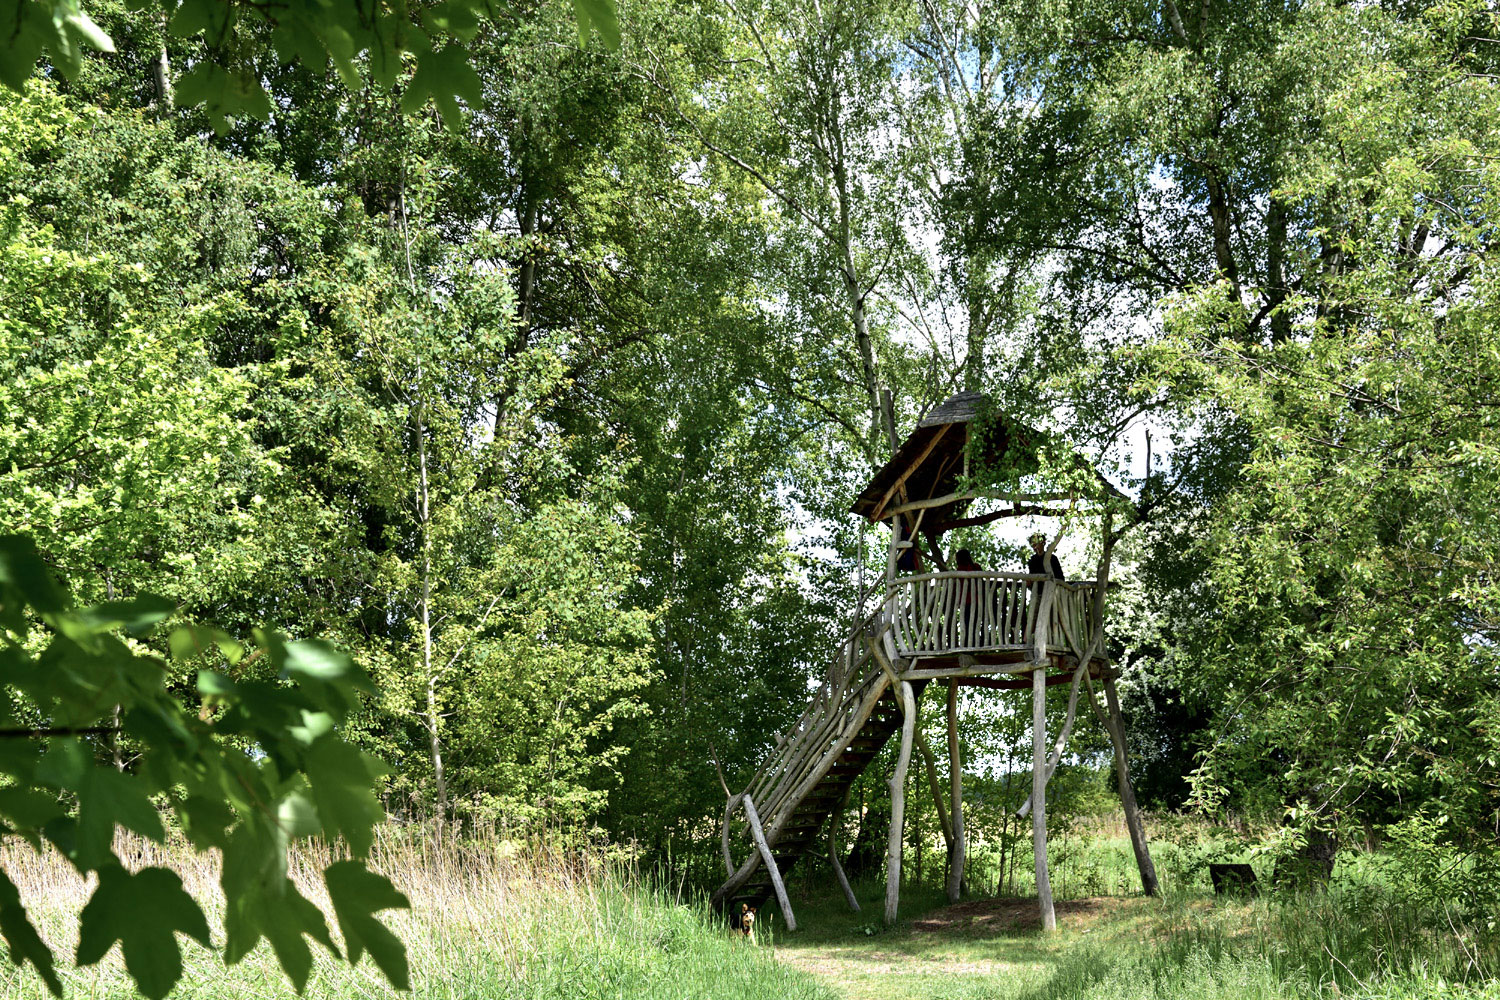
x,y
1133,820
1062,736
977,670
729,808
813,731
959,574
900,481
770,863
1039,796
950,498
956,788
937,792
855,721
835,822
898,805
1040,633
995,684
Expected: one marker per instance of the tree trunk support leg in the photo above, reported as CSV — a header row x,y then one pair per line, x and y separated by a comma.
x,y
956,786
770,863
898,804
1133,820
833,853
729,807
1039,795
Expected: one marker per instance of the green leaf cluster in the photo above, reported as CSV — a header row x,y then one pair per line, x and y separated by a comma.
x,y
238,41
260,763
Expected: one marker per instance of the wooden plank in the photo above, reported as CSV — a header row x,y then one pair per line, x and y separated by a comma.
x,y
879,513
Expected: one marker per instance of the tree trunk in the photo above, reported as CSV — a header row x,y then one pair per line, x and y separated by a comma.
x,y
1276,290
1220,215
898,805
1039,795
434,716
956,789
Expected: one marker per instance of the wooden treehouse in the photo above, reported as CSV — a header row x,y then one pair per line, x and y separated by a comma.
x,y
996,630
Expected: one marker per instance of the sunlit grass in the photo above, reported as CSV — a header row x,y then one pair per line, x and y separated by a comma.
x,y
485,922
1360,940
494,919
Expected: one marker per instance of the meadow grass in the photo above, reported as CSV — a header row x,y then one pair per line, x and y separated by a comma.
x,y
493,919
1360,939
485,922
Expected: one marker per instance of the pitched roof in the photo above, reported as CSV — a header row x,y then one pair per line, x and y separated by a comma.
x,y
930,461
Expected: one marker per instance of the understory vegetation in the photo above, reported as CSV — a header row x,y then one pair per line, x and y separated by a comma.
x,y
490,917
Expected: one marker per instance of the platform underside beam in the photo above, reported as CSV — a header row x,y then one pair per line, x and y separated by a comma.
x,y
965,667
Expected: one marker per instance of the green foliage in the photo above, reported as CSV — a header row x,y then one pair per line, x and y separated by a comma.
x,y
259,765
241,40
1351,567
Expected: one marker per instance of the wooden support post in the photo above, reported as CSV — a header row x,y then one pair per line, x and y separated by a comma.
x,y
833,852
898,804
1133,820
1067,730
937,792
1039,795
729,807
770,863
956,788
1042,626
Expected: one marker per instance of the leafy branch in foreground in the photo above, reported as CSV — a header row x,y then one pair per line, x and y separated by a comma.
x,y
260,763
354,37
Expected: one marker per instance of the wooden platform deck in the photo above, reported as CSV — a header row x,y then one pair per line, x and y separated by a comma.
x,y
982,629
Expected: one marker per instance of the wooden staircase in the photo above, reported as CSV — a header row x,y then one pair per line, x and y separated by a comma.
x,y
809,772
809,818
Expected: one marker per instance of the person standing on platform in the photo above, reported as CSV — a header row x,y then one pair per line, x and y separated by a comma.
x,y
1038,565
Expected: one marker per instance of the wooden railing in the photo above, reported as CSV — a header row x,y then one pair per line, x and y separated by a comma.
x,y
942,613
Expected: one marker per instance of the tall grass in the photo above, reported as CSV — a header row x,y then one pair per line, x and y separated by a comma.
x,y
488,919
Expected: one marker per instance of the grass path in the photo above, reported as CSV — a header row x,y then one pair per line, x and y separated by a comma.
x,y
989,948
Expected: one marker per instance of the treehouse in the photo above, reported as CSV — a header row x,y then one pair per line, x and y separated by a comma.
x,y
957,627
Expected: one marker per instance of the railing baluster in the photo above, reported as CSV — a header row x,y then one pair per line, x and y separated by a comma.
x,y
937,613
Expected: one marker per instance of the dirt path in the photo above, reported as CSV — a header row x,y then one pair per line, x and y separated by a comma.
x,y
990,948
